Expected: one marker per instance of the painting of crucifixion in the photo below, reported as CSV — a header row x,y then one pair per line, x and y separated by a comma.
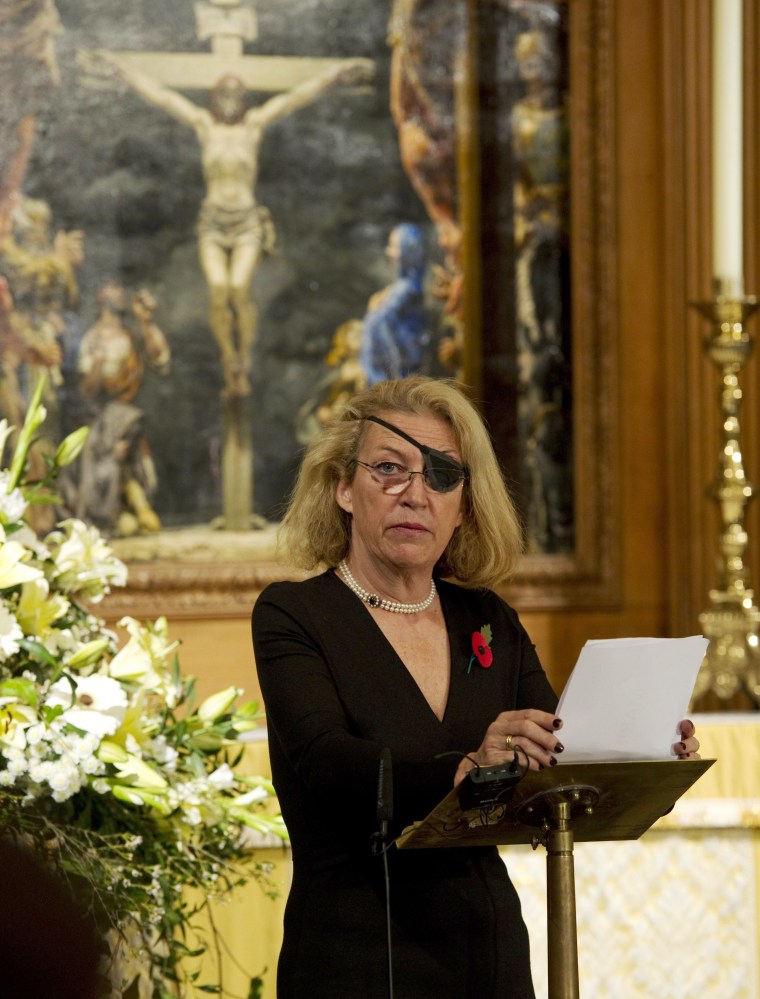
x,y
218,219
233,231
238,165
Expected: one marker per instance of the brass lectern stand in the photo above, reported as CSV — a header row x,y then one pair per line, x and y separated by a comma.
x,y
572,802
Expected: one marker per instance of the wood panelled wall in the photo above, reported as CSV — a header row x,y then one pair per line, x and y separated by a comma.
x,y
664,406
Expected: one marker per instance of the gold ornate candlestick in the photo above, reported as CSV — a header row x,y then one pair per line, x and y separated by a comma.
x,y
732,621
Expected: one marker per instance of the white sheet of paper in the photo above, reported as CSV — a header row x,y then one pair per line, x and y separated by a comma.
x,y
626,696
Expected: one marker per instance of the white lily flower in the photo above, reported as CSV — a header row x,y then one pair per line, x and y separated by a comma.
x,y
250,797
217,704
140,774
142,658
12,570
26,537
153,639
71,447
84,563
87,654
11,633
222,777
37,609
140,796
111,752
12,503
15,719
133,662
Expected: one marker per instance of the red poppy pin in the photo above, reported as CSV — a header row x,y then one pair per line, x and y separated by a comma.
x,y
481,648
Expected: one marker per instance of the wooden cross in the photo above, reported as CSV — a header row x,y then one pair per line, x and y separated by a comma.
x,y
229,24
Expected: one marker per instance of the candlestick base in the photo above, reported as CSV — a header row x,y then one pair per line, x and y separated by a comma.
x,y
732,662
732,621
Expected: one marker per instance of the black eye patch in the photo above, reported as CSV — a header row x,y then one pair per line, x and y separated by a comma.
x,y
443,473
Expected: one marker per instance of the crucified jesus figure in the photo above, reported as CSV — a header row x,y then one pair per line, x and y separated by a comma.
x,y
233,230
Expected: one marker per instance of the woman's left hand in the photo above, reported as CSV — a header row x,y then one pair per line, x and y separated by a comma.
x,y
688,748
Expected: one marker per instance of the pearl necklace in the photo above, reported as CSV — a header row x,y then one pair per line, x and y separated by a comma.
x,y
390,605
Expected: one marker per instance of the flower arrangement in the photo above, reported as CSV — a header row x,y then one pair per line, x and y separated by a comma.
x,y
108,767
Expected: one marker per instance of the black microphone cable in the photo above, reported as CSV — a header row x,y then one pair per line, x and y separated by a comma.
x,y
380,847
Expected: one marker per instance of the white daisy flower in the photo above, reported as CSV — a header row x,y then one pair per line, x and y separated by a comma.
x,y
97,704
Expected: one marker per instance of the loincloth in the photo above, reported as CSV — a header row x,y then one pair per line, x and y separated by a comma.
x,y
233,228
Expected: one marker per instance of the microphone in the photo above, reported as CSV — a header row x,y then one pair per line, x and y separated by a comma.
x,y
385,793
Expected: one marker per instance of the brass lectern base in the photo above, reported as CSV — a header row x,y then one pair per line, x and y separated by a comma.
x,y
553,808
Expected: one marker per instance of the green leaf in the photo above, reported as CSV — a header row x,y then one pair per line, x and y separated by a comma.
x,y
197,763
189,692
24,690
35,414
49,714
40,494
180,731
38,652
486,632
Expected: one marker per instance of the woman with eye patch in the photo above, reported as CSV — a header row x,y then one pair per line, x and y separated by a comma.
x,y
399,651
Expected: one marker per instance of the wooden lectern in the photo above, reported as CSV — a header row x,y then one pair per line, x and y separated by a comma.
x,y
573,802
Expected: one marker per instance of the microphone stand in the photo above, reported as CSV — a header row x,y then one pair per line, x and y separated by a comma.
x,y
380,847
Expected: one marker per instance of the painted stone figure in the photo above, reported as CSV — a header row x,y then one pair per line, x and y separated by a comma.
x,y
541,218
344,376
28,74
395,334
425,37
40,315
234,232
116,473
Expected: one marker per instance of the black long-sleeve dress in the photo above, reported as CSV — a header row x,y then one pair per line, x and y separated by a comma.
x,y
336,695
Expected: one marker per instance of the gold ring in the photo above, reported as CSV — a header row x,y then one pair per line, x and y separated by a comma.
x,y
508,741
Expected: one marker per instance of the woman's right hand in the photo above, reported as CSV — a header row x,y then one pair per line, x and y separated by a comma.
x,y
530,733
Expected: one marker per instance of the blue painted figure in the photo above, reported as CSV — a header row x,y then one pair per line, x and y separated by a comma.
x,y
395,334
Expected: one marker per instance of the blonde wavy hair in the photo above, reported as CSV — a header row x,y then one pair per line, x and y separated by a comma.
x,y
484,549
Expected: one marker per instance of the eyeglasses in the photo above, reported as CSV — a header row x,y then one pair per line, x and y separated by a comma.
x,y
394,478
441,473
